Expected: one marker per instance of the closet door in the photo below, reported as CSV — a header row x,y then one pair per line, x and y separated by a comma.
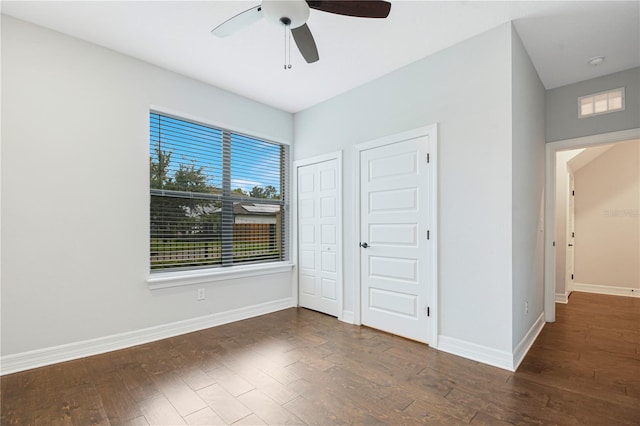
x,y
319,277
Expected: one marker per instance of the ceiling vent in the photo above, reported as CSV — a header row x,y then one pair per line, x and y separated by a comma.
x,y
601,103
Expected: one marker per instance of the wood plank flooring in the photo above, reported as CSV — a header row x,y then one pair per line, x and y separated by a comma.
x,y
301,367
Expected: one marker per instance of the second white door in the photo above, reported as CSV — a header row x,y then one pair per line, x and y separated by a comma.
x,y
395,248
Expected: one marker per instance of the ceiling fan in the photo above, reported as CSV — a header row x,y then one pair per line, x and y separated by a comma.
x,y
293,15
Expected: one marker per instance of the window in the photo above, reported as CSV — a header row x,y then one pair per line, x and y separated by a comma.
x,y
601,103
218,198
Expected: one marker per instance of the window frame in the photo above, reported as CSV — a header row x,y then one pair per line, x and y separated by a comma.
x,y
166,278
593,96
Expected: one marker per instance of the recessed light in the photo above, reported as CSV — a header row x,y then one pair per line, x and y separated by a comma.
x,y
596,60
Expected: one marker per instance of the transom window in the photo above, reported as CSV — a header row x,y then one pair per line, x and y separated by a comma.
x,y
217,197
601,103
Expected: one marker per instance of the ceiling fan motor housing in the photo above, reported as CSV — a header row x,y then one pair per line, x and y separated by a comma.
x,y
288,12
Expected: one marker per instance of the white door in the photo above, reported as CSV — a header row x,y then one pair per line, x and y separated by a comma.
x,y
571,237
395,212
318,249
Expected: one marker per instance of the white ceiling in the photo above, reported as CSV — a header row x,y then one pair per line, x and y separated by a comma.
x,y
559,36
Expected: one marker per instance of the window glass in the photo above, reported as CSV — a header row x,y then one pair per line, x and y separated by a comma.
x,y
217,198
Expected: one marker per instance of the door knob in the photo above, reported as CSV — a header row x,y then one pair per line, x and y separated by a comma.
x,y
364,245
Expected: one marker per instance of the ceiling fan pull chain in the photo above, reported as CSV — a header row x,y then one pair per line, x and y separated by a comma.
x,y
287,44
289,49
285,47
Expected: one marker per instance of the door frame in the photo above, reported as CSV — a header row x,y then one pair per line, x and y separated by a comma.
x,y
431,132
550,205
569,230
337,155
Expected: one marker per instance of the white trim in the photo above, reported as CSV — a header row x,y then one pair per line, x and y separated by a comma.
x,y
47,356
550,234
201,276
607,289
570,217
357,304
562,298
430,132
550,204
347,316
527,341
435,236
473,351
337,155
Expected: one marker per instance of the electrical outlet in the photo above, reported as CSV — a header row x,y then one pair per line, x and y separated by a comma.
x,y
526,307
200,294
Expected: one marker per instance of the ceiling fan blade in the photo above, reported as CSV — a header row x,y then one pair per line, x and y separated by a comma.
x,y
305,42
238,22
357,8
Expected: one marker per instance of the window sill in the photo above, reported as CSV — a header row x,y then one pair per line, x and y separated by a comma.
x,y
161,280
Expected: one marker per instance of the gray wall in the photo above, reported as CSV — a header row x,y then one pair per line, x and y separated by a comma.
x,y
466,90
528,151
75,191
562,107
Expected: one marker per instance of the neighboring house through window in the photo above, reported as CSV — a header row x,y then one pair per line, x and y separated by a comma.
x,y
217,197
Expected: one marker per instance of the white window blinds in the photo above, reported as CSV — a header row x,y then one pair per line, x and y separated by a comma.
x,y
218,198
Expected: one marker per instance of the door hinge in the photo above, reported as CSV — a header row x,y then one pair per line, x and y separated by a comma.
x,y
571,276
573,234
554,243
428,311
573,192
428,234
428,158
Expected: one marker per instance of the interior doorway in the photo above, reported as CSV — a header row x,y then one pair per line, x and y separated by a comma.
x,y
552,236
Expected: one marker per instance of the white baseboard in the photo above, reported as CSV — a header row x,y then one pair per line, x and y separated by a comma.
x,y
47,356
348,317
527,341
562,298
473,351
605,289
486,355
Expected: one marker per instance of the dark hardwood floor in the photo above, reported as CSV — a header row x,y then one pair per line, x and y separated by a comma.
x,y
301,367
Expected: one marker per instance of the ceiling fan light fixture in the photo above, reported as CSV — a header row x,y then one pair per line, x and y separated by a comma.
x,y
296,12
292,15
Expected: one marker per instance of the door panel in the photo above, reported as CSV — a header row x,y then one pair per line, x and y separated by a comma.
x,y
327,179
307,284
394,234
393,268
394,218
307,233
395,165
328,263
328,289
318,274
307,260
394,303
328,234
306,210
393,200
327,207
